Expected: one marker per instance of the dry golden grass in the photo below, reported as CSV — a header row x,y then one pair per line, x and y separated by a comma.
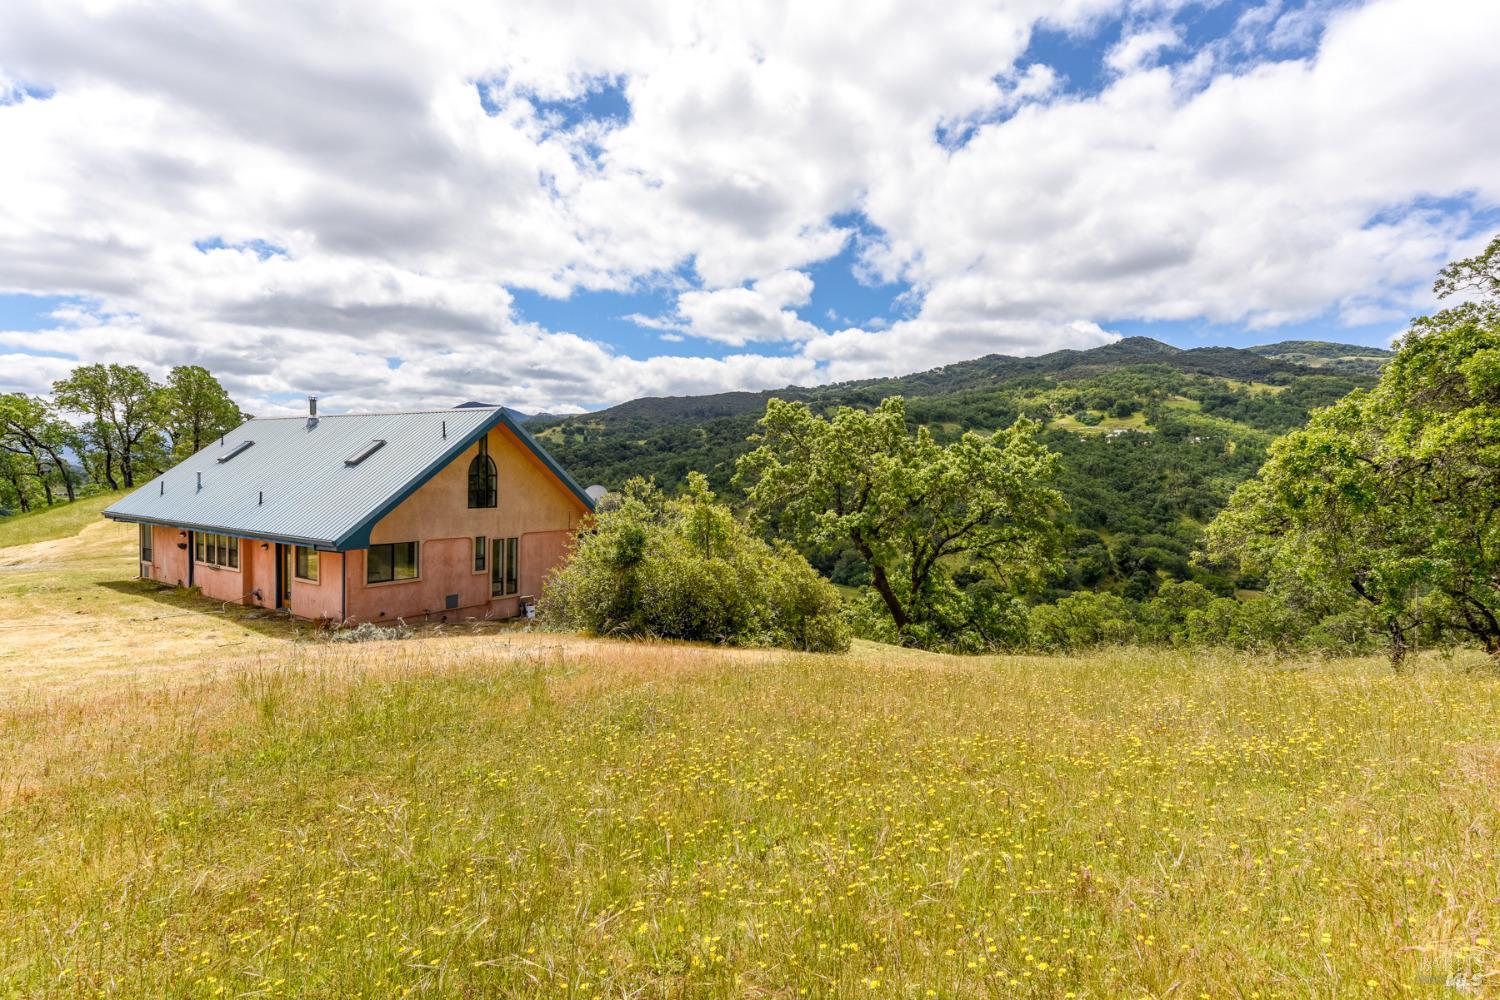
x,y
523,814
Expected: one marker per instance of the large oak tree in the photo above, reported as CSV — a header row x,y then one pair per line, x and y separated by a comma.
x,y
1392,496
917,512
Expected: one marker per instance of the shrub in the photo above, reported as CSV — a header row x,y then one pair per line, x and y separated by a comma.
x,y
1082,621
687,569
370,632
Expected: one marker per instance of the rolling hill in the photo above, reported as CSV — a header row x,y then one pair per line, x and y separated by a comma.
x,y
1349,359
1153,438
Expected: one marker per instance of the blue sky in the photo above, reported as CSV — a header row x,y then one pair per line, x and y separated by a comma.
x,y
461,202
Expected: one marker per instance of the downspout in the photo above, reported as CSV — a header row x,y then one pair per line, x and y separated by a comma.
x,y
190,550
343,588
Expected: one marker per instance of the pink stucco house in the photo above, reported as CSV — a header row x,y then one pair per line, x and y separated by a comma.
x,y
430,515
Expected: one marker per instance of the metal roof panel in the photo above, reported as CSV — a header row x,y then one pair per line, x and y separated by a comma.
x,y
294,484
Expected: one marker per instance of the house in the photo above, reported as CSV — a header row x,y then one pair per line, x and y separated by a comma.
x,y
438,514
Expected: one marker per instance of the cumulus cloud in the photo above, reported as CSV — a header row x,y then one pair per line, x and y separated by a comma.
x,y
1140,48
413,167
762,312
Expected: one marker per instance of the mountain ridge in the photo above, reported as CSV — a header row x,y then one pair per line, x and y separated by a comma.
x,y
1151,441
973,372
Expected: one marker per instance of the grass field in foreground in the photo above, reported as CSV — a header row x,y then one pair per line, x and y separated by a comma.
x,y
533,815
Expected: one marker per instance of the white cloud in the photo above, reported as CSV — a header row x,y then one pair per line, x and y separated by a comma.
x,y
1217,188
738,316
1141,48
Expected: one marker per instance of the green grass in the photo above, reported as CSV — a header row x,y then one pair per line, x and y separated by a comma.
x,y
58,521
548,816
1256,388
1068,422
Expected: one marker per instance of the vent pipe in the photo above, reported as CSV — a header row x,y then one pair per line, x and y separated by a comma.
x,y
200,480
312,412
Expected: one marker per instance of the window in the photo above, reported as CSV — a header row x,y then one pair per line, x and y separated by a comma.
x,y
482,478
365,452
503,568
237,449
216,550
394,561
307,564
145,543
481,553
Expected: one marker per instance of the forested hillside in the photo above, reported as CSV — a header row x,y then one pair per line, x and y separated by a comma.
x,y
1153,439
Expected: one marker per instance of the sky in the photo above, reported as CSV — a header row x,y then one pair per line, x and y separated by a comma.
x,y
563,205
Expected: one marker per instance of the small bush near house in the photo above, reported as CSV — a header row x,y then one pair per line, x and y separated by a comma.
x,y
685,568
370,632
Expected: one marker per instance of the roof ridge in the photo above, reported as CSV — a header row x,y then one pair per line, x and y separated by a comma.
x,y
377,413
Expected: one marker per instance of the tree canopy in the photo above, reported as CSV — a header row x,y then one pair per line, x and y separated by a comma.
x,y
106,426
916,512
1391,497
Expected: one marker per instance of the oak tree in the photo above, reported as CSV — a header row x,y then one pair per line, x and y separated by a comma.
x,y
915,511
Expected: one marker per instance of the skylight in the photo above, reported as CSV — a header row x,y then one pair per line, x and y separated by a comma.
x,y
235,450
365,452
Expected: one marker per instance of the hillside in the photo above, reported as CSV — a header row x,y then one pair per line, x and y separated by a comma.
x,y
1348,359
1153,438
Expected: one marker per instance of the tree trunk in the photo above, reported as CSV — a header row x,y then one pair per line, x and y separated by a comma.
x,y
892,603
1398,648
62,468
18,486
41,476
881,581
109,458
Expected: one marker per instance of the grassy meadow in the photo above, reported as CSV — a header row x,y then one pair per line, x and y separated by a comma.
x,y
205,804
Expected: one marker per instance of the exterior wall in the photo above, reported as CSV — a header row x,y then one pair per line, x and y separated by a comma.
x,y
445,566
258,558
324,599
533,507
540,552
169,564
222,583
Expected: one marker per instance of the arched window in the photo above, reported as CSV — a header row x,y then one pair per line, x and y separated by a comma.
x,y
482,478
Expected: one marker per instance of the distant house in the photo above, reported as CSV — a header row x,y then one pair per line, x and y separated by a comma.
x,y
438,514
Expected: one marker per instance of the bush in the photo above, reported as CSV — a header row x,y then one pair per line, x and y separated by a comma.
x,y
687,569
1082,621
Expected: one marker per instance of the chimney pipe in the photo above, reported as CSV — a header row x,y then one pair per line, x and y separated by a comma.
x,y
312,406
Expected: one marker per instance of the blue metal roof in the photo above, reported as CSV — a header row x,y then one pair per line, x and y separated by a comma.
x,y
294,483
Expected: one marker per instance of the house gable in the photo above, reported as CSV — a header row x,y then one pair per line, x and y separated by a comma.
x,y
530,498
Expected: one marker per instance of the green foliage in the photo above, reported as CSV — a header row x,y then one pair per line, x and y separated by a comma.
x,y
1082,621
912,509
1203,430
1480,273
686,568
121,407
34,444
193,409
1389,498
131,427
